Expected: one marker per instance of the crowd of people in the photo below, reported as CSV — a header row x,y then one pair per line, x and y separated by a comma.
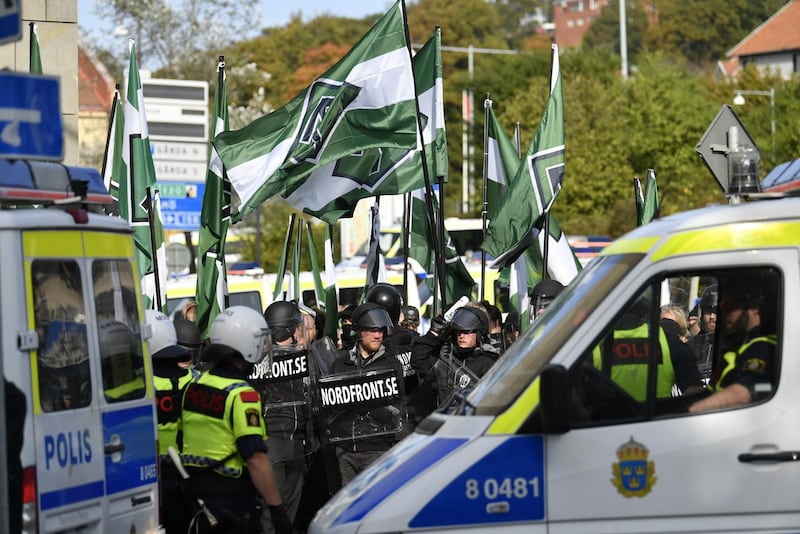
x,y
267,441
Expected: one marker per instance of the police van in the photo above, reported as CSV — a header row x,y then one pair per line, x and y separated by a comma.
x,y
550,441
71,329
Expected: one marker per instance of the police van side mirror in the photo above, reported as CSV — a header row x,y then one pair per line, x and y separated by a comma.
x,y
554,399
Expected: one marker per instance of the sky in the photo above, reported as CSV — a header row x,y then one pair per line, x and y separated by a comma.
x,y
273,12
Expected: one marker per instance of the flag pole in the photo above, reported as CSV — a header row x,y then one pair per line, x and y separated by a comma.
x,y
487,104
153,250
298,247
406,237
438,251
279,274
108,165
546,247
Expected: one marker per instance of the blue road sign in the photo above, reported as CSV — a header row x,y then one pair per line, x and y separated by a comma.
x,y
181,204
10,21
30,117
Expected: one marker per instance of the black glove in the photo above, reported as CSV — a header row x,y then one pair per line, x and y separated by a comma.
x,y
280,519
439,326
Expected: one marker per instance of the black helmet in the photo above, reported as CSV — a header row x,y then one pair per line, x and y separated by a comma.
x,y
411,314
710,299
371,315
469,318
387,296
548,289
189,336
543,294
282,316
347,313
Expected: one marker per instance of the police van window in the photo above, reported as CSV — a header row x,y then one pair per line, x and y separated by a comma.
x,y
647,363
119,337
251,299
60,320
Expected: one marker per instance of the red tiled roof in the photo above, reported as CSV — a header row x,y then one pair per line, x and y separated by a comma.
x,y
95,86
778,33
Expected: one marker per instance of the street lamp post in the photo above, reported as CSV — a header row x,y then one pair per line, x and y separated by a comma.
x,y
738,100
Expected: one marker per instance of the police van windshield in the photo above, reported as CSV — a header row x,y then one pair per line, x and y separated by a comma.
x,y
525,359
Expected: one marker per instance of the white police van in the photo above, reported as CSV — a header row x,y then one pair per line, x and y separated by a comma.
x,y
549,442
70,328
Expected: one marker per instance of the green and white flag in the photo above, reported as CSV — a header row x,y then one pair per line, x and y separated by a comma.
x,y
215,215
113,169
332,191
35,59
458,281
647,205
135,201
503,166
502,162
331,292
376,266
536,183
366,100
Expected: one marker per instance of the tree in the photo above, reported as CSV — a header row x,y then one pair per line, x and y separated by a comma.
x,y
603,34
173,34
702,31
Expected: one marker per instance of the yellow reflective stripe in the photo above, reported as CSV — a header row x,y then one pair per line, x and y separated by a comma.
x,y
731,237
108,245
509,421
52,244
34,354
627,246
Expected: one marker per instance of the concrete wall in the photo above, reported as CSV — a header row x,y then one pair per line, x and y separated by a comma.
x,y
57,22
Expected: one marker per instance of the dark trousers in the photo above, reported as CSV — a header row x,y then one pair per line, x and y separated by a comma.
x,y
236,514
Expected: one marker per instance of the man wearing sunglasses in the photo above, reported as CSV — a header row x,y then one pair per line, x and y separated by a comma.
x,y
747,367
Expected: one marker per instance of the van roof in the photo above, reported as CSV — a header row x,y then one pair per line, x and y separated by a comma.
x,y
716,227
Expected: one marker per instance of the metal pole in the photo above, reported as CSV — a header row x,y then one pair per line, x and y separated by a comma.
x,y
487,103
623,39
772,119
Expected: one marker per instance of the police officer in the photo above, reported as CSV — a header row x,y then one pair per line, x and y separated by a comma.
x,y
457,353
285,407
749,325
702,344
224,438
623,356
369,354
543,293
170,378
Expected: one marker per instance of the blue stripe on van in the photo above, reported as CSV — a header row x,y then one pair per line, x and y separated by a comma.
x,y
413,466
62,497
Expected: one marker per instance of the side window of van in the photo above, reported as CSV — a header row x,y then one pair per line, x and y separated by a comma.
x,y
117,320
64,374
680,341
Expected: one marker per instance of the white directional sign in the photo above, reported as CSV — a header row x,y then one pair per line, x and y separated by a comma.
x,y
30,117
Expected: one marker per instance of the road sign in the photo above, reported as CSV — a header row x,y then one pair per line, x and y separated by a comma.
x,y
725,134
30,117
181,204
10,21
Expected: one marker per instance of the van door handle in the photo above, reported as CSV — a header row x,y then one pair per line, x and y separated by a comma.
x,y
783,456
115,445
